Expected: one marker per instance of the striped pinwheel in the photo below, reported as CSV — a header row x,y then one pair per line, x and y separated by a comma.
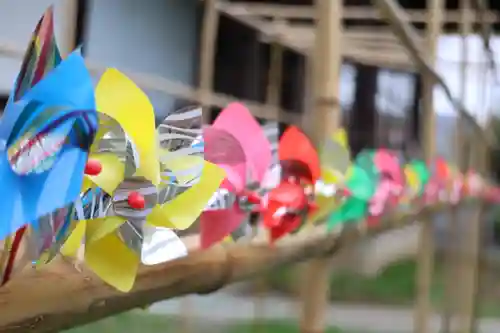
x,y
46,131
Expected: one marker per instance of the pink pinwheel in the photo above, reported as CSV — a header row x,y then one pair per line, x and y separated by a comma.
x,y
236,143
390,187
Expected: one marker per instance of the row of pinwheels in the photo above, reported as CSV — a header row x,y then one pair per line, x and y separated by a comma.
x,y
87,173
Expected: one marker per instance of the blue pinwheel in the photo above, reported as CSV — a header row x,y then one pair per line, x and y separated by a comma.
x,y
45,135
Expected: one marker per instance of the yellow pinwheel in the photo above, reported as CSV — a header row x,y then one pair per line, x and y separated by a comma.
x,y
335,161
130,208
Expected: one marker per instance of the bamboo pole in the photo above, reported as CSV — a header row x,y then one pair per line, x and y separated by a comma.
x,y
210,27
68,11
469,290
326,118
455,227
68,298
425,257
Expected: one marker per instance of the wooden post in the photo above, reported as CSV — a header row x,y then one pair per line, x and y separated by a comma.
x,y
426,238
210,27
472,236
326,115
455,226
66,13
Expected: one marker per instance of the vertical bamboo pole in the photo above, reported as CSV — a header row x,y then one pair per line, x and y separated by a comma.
x,y
426,238
326,117
66,13
210,27
454,227
273,99
472,240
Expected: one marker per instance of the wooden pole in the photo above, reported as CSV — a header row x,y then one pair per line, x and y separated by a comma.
x,y
66,13
469,290
455,227
426,238
326,115
210,27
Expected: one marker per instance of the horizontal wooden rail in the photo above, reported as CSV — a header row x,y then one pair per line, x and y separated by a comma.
x,y
58,297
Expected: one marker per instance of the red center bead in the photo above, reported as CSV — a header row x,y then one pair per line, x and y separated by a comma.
x,y
136,200
93,167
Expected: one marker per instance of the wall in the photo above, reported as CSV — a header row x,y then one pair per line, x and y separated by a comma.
x,y
160,38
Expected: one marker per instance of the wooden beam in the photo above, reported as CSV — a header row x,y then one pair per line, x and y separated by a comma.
x,y
302,41
394,14
57,297
349,13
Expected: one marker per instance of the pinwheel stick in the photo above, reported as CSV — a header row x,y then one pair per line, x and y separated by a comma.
x,y
58,297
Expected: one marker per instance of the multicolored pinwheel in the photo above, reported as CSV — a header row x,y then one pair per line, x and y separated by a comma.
x,y
46,131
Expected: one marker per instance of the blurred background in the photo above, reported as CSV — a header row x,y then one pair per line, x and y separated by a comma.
x,y
372,287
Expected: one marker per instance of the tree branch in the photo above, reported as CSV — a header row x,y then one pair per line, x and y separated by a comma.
x,y
58,297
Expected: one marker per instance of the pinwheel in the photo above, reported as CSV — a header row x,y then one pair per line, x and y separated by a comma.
x,y
335,163
138,195
292,200
236,143
390,186
46,130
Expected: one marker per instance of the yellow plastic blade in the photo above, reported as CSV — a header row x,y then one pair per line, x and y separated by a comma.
x,y
112,173
411,179
340,136
113,262
184,167
118,97
182,211
101,227
75,240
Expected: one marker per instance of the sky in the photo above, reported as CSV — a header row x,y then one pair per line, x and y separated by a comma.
x,y
396,89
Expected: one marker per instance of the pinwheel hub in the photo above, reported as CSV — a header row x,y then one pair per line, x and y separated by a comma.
x,y
93,167
135,198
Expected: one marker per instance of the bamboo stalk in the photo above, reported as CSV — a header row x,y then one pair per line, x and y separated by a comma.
x,y
425,258
57,297
326,115
472,242
454,226
210,27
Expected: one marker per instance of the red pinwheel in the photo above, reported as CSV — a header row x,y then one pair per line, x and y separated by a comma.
x,y
291,200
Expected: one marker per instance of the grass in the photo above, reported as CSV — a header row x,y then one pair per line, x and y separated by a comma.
x,y
137,322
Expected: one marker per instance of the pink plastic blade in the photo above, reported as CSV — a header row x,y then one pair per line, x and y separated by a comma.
x,y
224,150
239,122
386,161
218,224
